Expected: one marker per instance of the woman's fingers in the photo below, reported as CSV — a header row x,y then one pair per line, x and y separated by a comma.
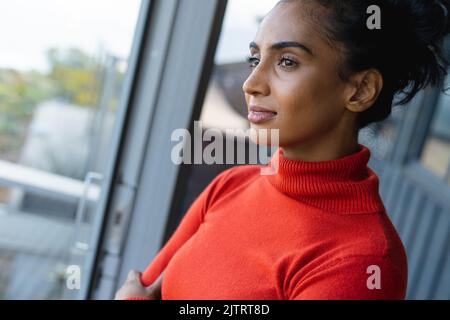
x,y
133,287
134,275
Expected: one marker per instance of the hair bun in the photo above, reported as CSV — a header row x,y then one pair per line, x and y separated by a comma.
x,y
445,5
430,19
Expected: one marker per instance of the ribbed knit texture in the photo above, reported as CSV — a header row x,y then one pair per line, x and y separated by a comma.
x,y
313,230
346,185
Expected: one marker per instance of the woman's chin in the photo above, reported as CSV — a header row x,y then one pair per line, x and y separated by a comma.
x,y
264,136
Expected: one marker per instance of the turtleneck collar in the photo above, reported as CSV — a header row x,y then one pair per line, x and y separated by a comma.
x,y
345,185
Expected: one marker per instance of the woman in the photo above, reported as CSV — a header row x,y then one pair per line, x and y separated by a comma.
x,y
317,229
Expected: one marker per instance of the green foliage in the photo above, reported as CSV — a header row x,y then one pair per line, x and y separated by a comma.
x,y
73,77
19,94
76,76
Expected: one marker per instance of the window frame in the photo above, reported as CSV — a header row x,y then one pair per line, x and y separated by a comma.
x,y
186,33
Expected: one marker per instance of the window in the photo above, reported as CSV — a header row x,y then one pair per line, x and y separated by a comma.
x,y
380,137
436,153
62,71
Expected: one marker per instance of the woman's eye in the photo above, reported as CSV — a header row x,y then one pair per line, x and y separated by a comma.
x,y
288,63
252,61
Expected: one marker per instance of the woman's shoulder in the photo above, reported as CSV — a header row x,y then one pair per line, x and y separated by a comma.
x,y
379,241
373,235
354,258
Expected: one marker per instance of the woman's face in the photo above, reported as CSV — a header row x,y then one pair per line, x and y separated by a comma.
x,y
298,82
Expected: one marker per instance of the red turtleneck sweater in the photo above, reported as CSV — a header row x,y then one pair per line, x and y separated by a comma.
x,y
313,230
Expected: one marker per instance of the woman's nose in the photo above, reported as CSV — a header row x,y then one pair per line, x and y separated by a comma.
x,y
256,83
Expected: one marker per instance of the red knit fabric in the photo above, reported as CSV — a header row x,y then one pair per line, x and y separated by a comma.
x,y
311,231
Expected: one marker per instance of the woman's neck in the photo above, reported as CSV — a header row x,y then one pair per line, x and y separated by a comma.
x,y
339,141
322,149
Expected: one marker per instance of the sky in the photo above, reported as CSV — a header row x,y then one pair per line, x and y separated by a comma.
x,y
29,27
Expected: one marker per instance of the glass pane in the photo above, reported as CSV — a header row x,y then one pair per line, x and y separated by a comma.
x,y
62,70
380,137
436,153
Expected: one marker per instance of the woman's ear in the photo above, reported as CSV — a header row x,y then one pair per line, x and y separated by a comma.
x,y
365,87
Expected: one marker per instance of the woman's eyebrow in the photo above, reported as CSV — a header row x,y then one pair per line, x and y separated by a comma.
x,y
284,44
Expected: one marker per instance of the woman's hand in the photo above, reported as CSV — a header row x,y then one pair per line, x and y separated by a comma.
x,y
134,288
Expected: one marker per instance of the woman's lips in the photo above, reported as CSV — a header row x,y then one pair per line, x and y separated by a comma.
x,y
260,114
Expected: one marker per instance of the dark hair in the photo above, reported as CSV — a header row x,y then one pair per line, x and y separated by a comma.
x,y
407,50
